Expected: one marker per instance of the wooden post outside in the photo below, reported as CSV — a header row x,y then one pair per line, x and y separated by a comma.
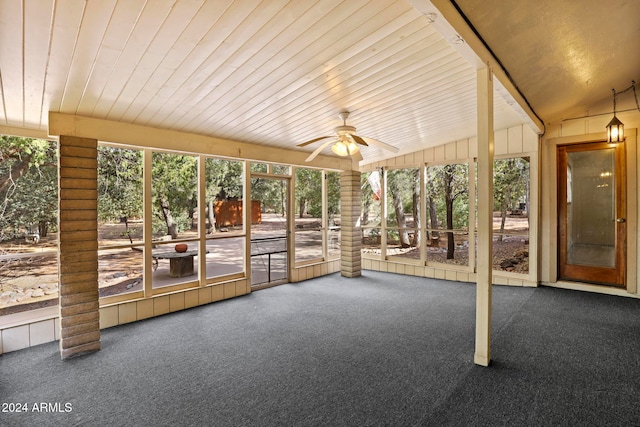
x,y
78,246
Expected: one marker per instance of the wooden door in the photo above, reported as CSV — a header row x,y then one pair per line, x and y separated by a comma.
x,y
592,213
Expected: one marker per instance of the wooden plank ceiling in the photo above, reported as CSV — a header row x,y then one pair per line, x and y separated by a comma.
x,y
270,72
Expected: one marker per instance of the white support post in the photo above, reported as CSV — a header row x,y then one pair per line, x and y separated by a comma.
x,y
485,216
147,221
291,220
202,220
383,212
247,205
423,215
325,216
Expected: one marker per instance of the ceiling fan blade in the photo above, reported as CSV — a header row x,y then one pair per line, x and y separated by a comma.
x,y
311,141
382,145
319,149
359,140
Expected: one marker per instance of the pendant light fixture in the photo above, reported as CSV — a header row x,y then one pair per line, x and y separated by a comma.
x,y
615,128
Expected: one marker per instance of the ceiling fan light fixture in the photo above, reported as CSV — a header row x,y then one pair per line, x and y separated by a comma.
x,y
352,147
340,149
345,148
346,142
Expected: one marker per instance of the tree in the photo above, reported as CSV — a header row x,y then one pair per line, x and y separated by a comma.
x,y
451,192
366,198
28,185
308,192
333,194
431,196
404,192
119,183
447,185
174,188
510,184
271,193
224,180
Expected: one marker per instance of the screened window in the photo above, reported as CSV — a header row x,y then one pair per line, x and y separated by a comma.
x,y
403,213
174,204
259,167
280,169
120,213
308,214
28,224
371,212
447,201
224,217
511,214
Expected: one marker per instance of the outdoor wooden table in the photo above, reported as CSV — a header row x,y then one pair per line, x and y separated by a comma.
x,y
180,263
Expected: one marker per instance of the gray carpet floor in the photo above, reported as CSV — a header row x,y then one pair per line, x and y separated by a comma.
x,y
380,350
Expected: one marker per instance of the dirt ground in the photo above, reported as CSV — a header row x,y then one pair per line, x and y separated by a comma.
x,y
511,253
30,281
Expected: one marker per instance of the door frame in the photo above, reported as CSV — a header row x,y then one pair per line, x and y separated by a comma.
x,y
617,275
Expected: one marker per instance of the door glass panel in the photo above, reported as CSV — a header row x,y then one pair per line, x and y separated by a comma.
x,y
591,210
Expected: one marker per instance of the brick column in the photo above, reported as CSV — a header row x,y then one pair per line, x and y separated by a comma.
x,y
351,236
78,246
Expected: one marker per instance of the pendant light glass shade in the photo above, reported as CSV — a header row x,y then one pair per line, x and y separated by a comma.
x,y
344,149
340,149
615,130
352,147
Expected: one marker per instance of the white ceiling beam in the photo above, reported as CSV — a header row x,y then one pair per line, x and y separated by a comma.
x,y
24,132
145,136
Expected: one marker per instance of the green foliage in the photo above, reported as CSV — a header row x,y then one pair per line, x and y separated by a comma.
x,y
366,190
119,183
180,221
259,167
401,185
224,179
452,181
281,169
510,182
28,185
271,193
333,194
174,189
308,193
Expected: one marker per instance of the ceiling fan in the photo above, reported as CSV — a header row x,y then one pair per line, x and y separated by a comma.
x,y
345,141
